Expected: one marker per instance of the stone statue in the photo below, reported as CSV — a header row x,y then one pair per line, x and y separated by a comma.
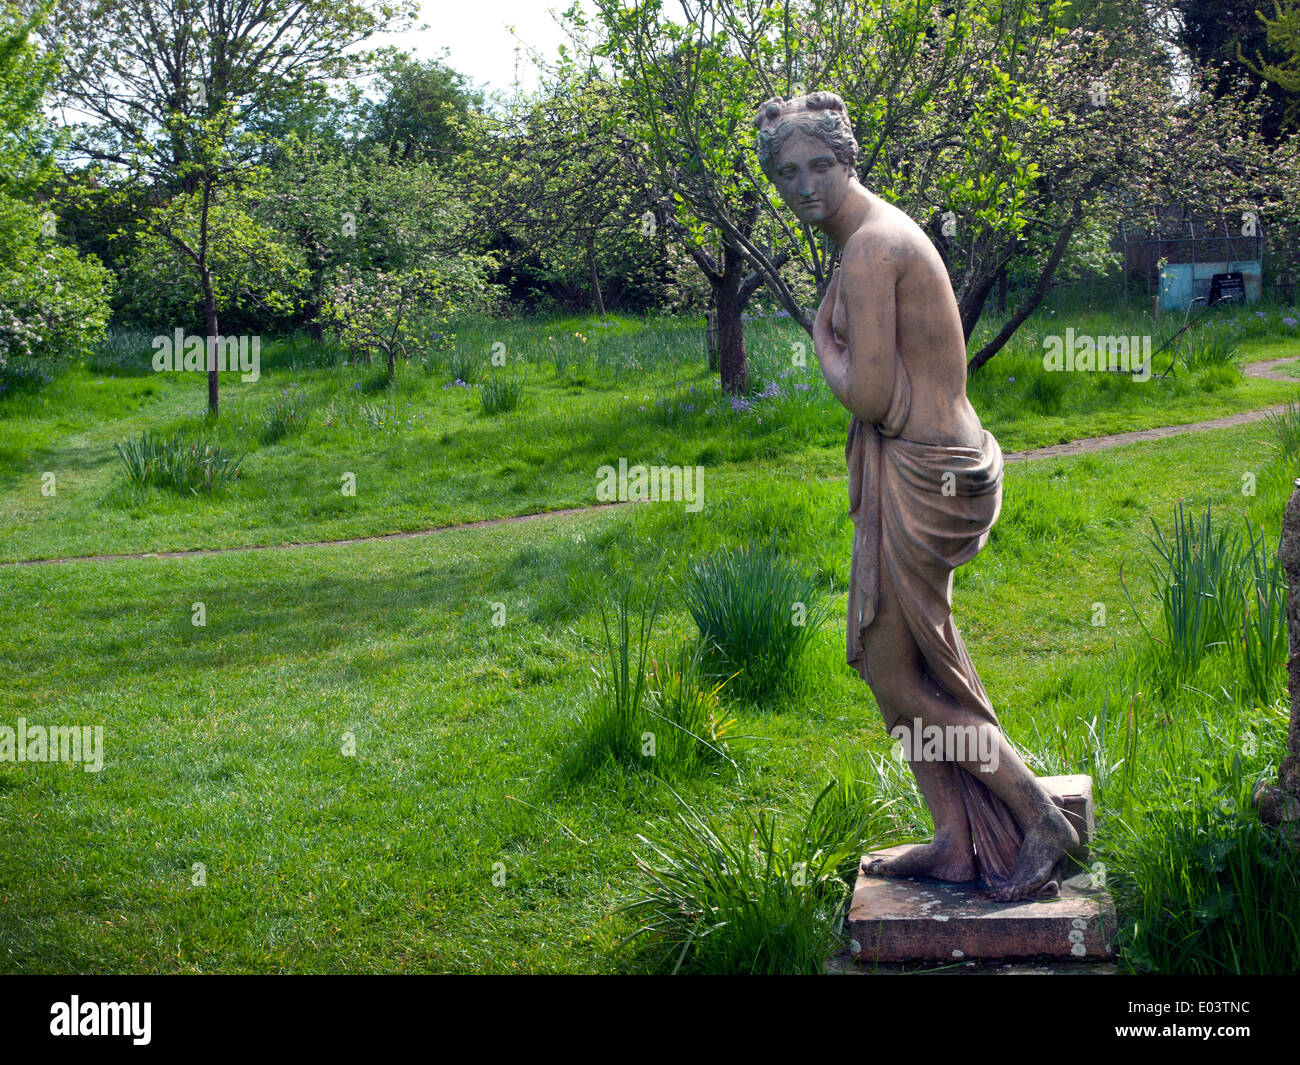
x,y
925,487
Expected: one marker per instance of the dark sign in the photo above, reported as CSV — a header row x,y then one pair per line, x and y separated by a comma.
x,y
1229,287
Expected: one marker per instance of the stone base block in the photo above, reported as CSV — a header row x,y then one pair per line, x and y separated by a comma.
x,y
923,920
1073,794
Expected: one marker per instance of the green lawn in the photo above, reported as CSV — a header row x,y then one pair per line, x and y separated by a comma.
x,y
424,455
224,744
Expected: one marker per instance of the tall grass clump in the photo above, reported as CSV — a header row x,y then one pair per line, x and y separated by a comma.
x,y
122,351
500,394
298,351
1284,428
462,366
757,616
1209,347
1265,638
1219,596
693,726
760,895
1195,572
1205,887
286,415
1046,393
190,467
663,716
1200,885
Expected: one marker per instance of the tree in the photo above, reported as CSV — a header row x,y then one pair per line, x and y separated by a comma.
x,y
255,276
422,109
1228,36
169,88
53,303
550,174
364,225
692,90
1282,36
1016,130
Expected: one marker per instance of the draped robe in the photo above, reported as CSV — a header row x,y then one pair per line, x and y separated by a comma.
x,y
919,511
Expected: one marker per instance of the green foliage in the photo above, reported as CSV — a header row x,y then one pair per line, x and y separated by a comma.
x,y
660,716
1205,886
189,467
614,723
1285,429
463,365
25,75
255,276
1218,595
53,303
122,351
421,109
757,615
1208,348
757,896
500,394
188,127
693,726
286,415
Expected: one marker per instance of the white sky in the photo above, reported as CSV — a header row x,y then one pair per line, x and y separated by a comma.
x,y
477,39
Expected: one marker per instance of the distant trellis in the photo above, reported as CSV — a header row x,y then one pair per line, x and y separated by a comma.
x,y
1189,250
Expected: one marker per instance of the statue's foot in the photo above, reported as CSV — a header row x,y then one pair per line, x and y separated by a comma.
x,y
951,861
1045,844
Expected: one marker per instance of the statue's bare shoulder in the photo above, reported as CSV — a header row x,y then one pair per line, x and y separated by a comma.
x,y
879,243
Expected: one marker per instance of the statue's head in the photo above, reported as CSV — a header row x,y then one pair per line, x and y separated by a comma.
x,y
807,149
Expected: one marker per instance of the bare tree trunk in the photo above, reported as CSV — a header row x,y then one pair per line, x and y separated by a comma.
x,y
210,314
1289,550
1031,301
209,306
731,335
595,277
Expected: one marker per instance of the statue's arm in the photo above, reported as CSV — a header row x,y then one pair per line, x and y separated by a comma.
x,y
832,356
869,277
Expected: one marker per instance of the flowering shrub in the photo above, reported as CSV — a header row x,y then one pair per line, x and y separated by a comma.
x,y
53,303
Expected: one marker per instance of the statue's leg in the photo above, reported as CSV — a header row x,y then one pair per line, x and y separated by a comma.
x,y
892,657
907,695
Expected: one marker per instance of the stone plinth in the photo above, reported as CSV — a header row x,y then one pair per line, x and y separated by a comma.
x,y
923,920
918,919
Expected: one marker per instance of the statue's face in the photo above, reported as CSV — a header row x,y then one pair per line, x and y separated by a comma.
x,y
811,180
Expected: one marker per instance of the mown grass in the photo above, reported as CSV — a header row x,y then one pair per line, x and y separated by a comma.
x,y
453,839
378,754
425,453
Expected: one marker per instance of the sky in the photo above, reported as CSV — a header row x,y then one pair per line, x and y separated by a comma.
x,y
478,40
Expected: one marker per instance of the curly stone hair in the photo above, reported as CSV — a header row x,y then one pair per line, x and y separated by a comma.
x,y
818,114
